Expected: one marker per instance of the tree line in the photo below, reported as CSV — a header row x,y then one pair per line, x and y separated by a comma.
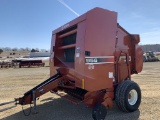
x,y
22,49
148,47
151,47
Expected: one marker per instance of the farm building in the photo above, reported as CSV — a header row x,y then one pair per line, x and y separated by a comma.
x,y
39,54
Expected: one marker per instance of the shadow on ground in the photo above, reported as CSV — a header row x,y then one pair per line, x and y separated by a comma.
x,y
60,109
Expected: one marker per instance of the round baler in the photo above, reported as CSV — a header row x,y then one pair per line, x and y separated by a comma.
x,y
95,58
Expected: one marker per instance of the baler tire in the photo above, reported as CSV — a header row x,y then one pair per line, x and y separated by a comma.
x,y
117,91
128,96
99,112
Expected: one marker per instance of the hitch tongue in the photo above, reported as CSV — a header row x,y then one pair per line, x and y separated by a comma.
x,y
6,103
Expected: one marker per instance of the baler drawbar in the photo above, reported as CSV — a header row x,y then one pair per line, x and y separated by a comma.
x,y
40,89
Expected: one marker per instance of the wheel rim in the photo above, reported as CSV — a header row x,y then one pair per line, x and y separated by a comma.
x,y
132,97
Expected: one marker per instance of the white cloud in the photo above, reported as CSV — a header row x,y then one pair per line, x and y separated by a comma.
x,y
68,7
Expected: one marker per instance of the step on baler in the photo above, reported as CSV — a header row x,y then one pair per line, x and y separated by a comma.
x,y
95,58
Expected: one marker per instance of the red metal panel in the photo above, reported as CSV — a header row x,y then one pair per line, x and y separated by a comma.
x,y
139,59
99,35
100,41
122,48
79,53
69,24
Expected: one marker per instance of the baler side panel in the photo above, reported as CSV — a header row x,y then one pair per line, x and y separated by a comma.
x,y
58,61
70,24
122,52
65,43
126,43
100,42
79,54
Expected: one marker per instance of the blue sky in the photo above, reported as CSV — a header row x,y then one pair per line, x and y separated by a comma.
x,y
29,23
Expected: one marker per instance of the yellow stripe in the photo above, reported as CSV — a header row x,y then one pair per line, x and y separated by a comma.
x,y
82,83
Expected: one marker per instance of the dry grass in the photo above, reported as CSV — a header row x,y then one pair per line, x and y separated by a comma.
x,y
15,82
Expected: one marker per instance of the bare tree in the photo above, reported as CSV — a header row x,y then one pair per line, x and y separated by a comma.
x,y
15,49
33,50
27,49
7,49
1,51
37,49
22,49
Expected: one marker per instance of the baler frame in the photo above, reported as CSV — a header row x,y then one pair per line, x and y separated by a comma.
x,y
95,58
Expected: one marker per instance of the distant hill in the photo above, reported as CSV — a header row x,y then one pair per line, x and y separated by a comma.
x,y
151,47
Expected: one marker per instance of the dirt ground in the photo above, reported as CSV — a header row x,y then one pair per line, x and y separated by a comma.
x,y
15,82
